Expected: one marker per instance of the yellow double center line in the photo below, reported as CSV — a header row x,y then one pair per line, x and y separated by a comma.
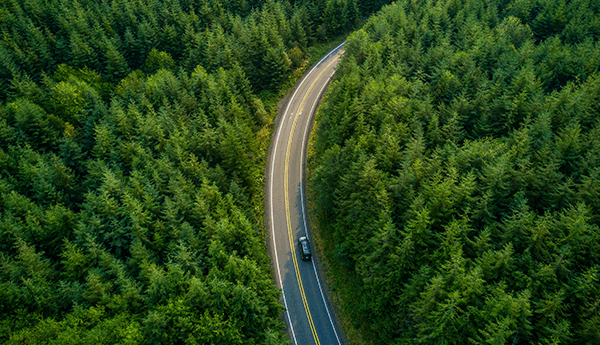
x,y
287,205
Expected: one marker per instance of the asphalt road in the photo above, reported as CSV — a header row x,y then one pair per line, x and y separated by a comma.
x,y
309,316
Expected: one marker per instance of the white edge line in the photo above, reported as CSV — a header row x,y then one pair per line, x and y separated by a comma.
x,y
271,189
304,213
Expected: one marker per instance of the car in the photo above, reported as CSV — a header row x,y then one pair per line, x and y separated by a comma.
x,y
304,248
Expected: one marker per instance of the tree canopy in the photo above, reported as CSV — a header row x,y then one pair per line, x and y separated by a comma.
x,y
456,173
133,137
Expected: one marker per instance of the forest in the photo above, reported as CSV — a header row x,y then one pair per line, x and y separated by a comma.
x,y
455,173
133,140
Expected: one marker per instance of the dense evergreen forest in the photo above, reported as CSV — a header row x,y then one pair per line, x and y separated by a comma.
x,y
456,173
133,137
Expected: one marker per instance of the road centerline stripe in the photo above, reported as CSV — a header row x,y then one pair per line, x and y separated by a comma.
x,y
271,179
287,206
304,137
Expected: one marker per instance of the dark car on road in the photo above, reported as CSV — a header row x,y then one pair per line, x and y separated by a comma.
x,y
304,248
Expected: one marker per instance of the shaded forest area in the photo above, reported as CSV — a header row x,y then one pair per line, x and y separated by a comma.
x,y
456,173
133,137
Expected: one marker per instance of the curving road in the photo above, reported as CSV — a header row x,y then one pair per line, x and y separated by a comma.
x,y
309,316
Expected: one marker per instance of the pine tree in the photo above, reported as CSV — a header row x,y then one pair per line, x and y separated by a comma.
x,y
116,66
276,65
82,55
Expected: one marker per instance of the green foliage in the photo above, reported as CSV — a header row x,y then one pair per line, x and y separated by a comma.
x,y
455,169
158,60
117,37
131,157
159,203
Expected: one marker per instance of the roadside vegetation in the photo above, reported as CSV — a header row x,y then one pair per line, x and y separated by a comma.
x,y
133,138
456,173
